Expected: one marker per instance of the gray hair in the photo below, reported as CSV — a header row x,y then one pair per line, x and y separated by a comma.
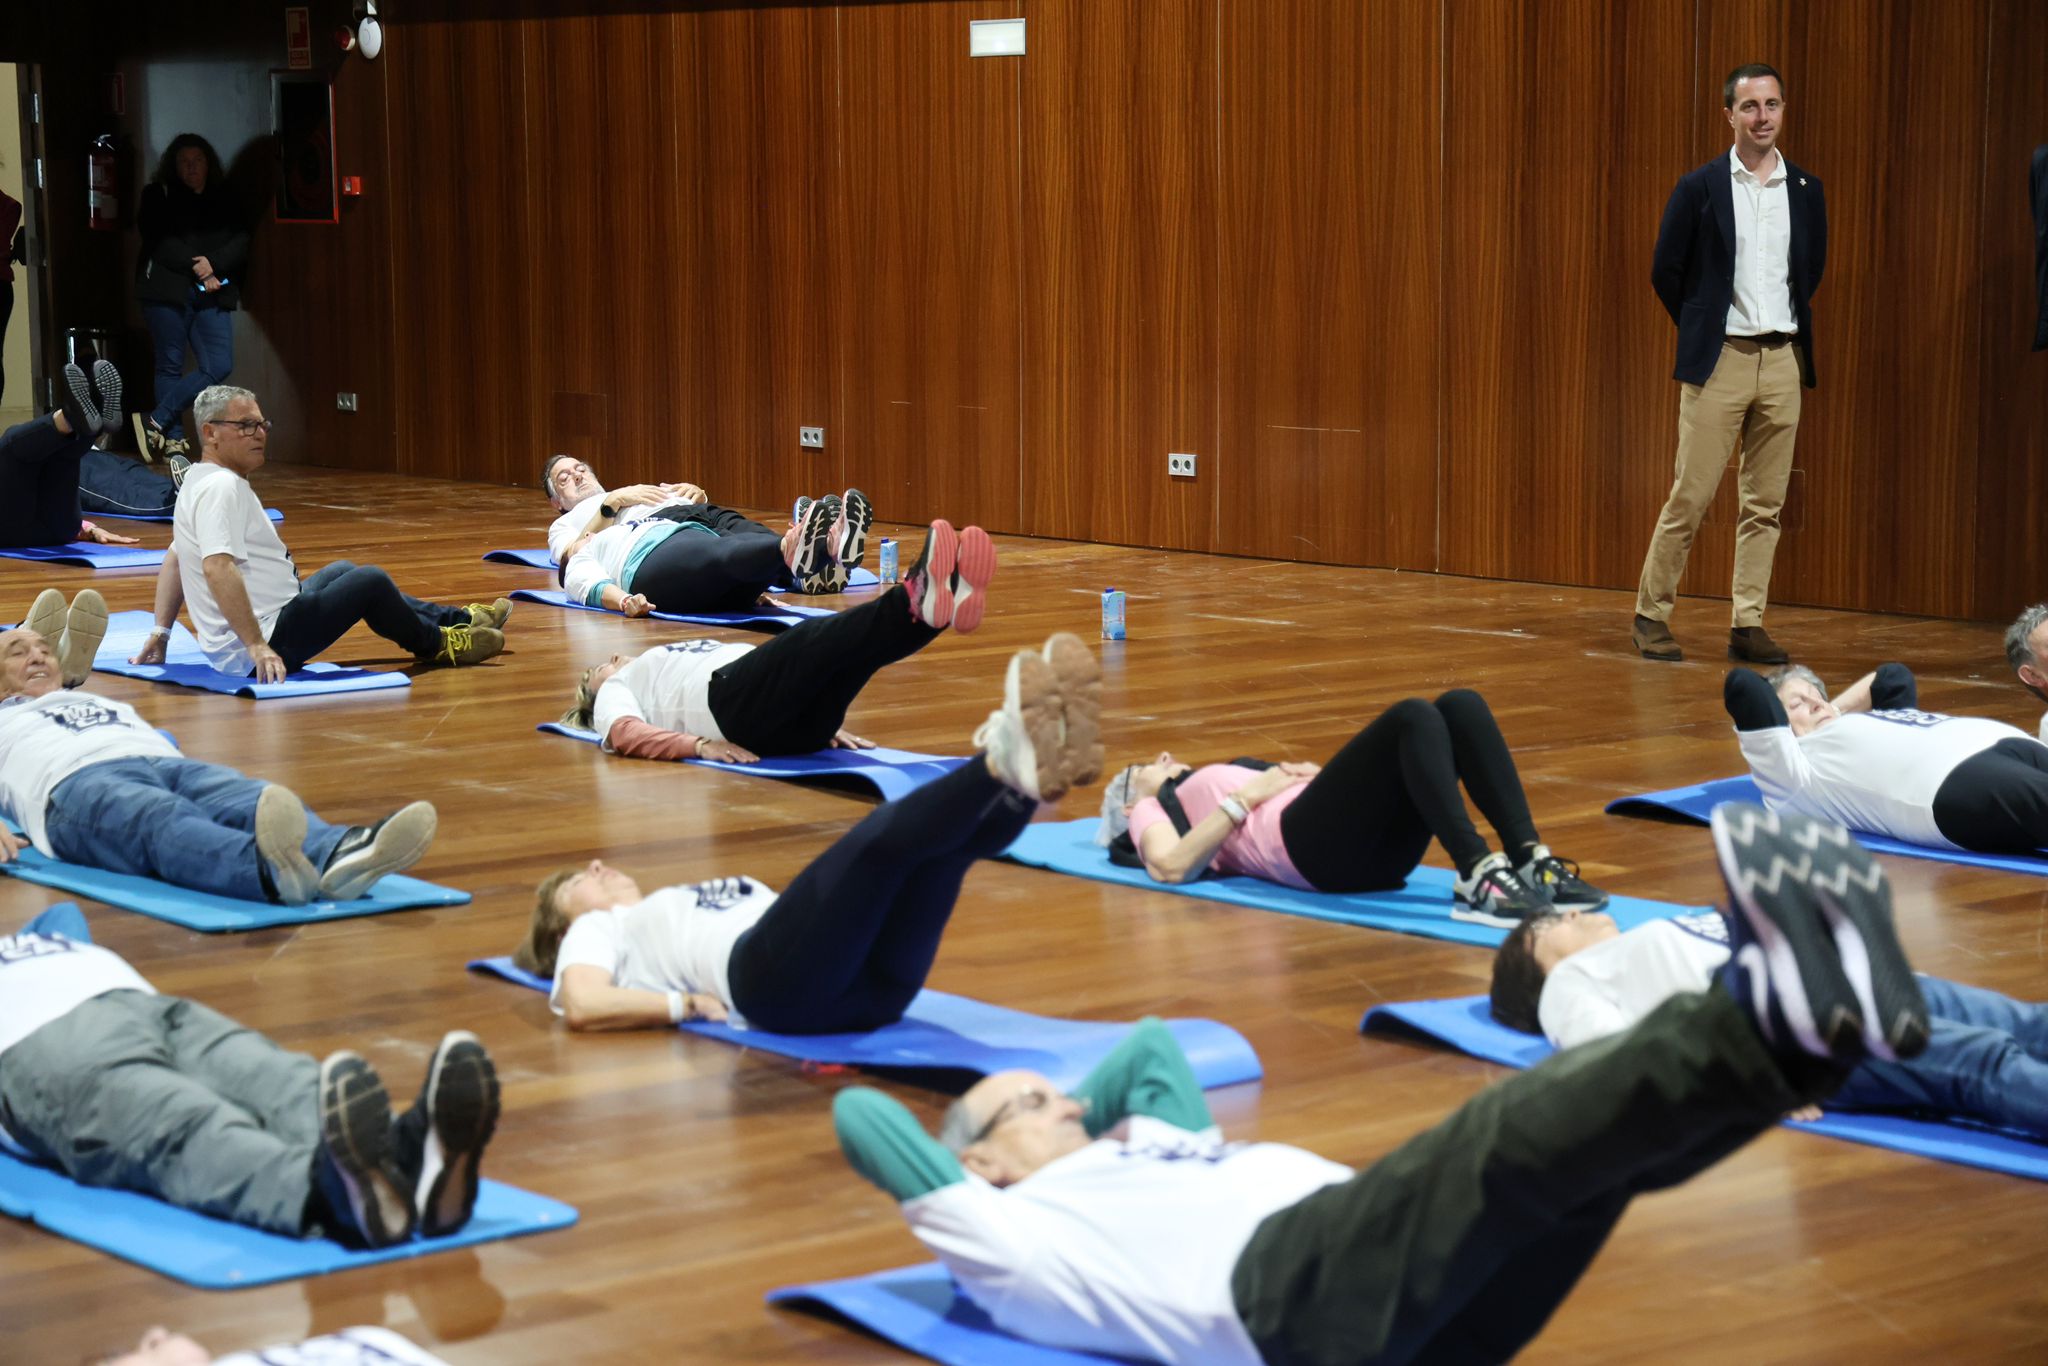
x,y
214,400
2018,636
1116,802
1779,677
957,1128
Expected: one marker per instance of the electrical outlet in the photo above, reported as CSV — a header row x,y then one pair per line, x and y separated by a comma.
x,y
811,438
345,402
1180,466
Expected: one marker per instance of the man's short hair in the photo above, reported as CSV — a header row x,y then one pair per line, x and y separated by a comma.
x,y
1785,673
1749,71
547,471
2019,637
1518,977
956,1128
216,399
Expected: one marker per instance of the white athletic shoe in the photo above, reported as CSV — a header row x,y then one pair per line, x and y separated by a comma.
x,y
280,843
1021,742
85,626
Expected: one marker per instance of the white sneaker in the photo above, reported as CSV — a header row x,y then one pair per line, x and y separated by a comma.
x,y
280,843
1021,742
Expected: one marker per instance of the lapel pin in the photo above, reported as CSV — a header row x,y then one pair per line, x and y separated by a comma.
x,y
1802,180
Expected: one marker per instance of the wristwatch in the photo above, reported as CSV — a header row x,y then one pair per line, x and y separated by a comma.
x,y
607,510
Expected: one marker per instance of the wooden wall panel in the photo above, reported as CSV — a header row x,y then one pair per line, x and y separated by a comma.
x,y
1566,132
1119,285
929,333
1327,244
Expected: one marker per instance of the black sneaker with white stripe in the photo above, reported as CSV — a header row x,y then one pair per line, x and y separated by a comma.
x,y
1559,881
439,1143
1815,960
811,565
1495,894
353,1174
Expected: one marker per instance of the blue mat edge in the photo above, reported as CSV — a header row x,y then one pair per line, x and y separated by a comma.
x,y
937,1337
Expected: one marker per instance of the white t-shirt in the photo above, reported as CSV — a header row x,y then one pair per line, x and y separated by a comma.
x,y
1605,989
2043,728
42,977
219,514
1125,1247
668,687
678,939
564,530
1874,771
44,740
349,1347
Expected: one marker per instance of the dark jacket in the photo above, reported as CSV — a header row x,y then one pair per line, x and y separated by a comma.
x,y
177,225
2037,186
1693,269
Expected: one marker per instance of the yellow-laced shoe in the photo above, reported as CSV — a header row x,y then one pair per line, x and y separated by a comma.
x,y
468,644
493,615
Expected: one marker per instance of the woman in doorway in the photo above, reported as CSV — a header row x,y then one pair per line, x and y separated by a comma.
x,y
194,245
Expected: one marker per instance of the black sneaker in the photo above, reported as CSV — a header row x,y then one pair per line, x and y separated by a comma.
x,y
1496,895
1559,881
1816,960
850,533
439,1143
810,565
107,381
353,1173
75,398
367,853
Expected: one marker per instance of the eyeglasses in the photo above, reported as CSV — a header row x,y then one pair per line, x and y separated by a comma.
x,y
247,426
1027,1101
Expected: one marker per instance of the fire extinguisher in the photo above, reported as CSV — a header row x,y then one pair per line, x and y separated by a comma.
x,y
103,205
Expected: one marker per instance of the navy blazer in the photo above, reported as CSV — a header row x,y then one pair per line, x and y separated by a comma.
x,y
1693,269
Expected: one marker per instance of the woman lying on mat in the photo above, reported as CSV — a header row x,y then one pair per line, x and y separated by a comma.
x,y
1359,823
711,699
848,945
1871,760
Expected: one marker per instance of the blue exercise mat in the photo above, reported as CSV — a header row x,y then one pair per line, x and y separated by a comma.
x,y
272,513
891,772
185,666
1466,1024
89,555
214,1254
63,918
1423,907
212,914
540,559
953,1033
770,618
1697,803
920,1309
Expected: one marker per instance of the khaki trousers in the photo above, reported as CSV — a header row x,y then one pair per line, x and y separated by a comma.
x,y
1753,394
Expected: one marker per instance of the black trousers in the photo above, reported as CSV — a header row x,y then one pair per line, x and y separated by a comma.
x,y
693,571
1460,1244
342,594
851,941
1363,823
1996,802
39,484
791,695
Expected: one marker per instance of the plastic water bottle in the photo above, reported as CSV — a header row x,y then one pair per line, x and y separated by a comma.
x,y
1112,614
885,567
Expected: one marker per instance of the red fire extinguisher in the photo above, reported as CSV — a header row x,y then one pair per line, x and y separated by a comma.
x,y
103,205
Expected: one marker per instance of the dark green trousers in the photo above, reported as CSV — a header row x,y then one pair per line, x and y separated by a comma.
x,y
1459,1244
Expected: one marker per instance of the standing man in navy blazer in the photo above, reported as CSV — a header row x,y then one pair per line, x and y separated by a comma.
x,y
1739,254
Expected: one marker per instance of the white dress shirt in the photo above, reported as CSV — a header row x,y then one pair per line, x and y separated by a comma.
x,y
1763,250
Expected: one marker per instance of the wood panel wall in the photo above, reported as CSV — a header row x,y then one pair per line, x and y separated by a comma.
x,y
1381,264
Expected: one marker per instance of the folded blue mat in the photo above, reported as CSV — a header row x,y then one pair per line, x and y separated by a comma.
x,y
1466,1024
63,918
89,555
212,914
185,666
1697,803
891,772
1423,907
540,559
952,1033
272,513
773,618
921,1310
216,1255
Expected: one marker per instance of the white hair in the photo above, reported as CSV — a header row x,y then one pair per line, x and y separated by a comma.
x,y
215,400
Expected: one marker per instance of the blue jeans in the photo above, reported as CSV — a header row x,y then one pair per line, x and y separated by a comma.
x,y
210,335
178,820
111,485
1987,1061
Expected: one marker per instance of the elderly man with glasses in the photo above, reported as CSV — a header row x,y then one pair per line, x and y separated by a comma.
x,y
251,611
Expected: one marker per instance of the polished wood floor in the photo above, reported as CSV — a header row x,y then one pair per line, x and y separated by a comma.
x,y
707,1175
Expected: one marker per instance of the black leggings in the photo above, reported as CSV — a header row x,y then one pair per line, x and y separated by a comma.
x,y
695,572
791,695
850,942
1996,802
39,484
1363,823
343,594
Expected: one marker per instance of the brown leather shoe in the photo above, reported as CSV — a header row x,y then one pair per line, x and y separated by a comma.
x,y
1753,645
1655,640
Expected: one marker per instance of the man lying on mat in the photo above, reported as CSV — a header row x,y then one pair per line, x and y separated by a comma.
x,y
92,783
735,702
850,942
251,611
46,465
665,545
1577,977
1118,1220
115,1085
1360,823
2026,649
1873,761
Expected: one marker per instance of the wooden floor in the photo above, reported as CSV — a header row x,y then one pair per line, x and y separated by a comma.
x,y
706,1175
